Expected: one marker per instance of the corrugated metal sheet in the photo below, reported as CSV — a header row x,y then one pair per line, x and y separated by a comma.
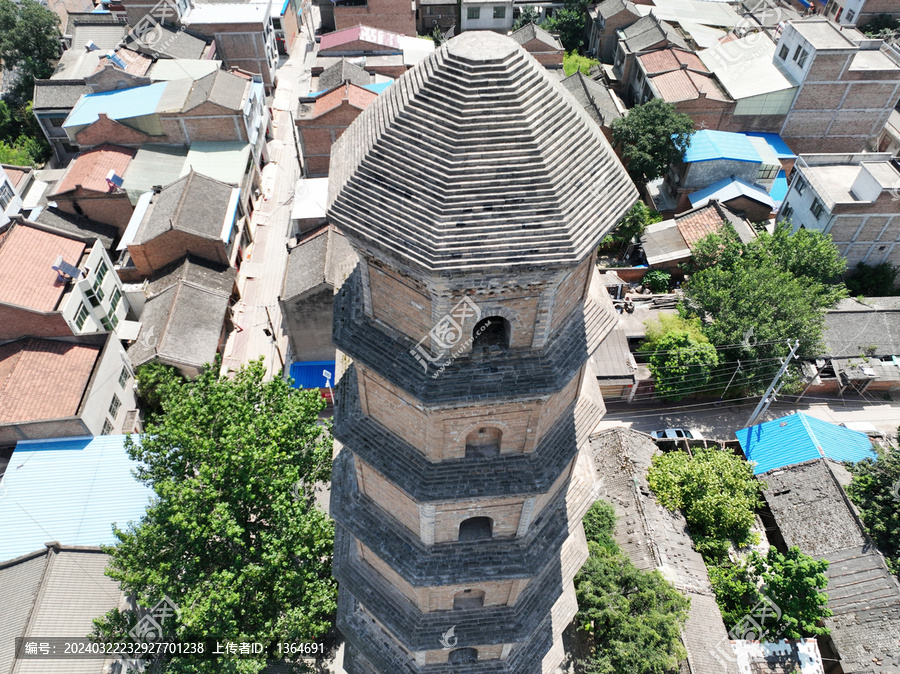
x,y
727,189
69,490
708,144
797,438
117,104
308,374
153,165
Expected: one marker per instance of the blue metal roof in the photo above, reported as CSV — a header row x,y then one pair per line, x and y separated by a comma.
x,y
797,438
707,145
308,373
69,490
729,188
779,188
776,143
378,87
116,104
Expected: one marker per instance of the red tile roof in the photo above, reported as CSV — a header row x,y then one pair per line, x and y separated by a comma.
x,y
353,94
26,257
42,379
89,169
694,226
383,38
664,60
686,85
16,173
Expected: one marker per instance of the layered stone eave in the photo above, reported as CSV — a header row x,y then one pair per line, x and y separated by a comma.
x,y
417,630
481,378
424,481
456,563
495,186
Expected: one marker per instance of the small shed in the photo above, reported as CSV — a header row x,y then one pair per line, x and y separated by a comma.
x,y
314,374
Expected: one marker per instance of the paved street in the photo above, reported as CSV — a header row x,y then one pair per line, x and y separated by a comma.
x,y
721,422
257,315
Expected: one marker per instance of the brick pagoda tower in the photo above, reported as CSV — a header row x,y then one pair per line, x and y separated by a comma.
x,y
475,190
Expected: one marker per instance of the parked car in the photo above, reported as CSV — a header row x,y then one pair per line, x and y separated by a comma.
x,y
676,434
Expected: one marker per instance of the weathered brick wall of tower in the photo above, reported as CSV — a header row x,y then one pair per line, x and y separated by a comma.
x,y
463,470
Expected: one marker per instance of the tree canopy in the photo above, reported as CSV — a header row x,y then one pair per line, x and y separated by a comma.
x,y
233,537
781,593
875,490
650,138
715,490
682,364
784,281
632,618
29,44
569,22
528,14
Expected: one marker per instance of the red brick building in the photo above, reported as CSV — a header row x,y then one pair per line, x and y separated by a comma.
x,y
397,16
323,121
85,190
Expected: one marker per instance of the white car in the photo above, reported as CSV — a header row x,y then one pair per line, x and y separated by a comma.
x,y
675,434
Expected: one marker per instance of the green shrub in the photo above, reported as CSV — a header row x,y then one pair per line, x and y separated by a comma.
x,y
873,280
657,280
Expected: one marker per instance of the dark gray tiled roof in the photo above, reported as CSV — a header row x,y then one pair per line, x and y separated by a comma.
x,y
56,592
182,320
76,18
317,260
531,31
609,8
594,97
58,94
79,225
812,513
853,328
648,32
654,538
195,204
219,87
176,44
340,72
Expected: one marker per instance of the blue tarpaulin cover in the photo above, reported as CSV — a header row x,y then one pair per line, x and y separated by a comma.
x,y
308,373
797,438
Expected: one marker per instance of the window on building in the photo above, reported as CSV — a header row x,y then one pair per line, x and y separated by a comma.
x,y
850,15
81,316
800,185
114,302
101,272
797,52
6,195
476,529
783,54
787,212
124,375
483,442
802,60
107,427
56,122
816,208
114,406
499,12
468,599
769,172
94,296
473,13
463,656
491,331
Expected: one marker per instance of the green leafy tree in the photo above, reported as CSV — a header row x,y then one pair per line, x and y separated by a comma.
x,y
632,619
14,155
873,280
528,14
788,586
682,364
715,490
29,44
784,281
635,221
657,280
650,138
233,537
569,22
574,62
875,490
883,27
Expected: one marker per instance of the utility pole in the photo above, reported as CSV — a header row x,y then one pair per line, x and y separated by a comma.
x,y
769,396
